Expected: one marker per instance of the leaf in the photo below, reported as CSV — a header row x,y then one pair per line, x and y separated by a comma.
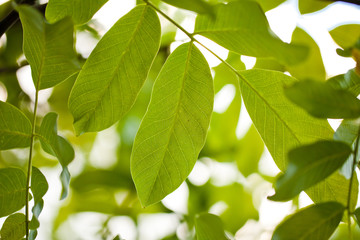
x,y
81,11
115,71
15,127
309,6
313,66
284,126
357,216
267,5
322,100
209,227
48,48
308,165
346,36
174,128
58,147
12,190
349,81
14,227
315,222
242,27
199,6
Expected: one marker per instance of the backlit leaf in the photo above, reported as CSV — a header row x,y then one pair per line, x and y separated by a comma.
x,y
346,35
49,48
309,6
12,190
114,73
322,100
81,11
209,227
316,222
15,127
357,216
174,127
199,6
14,227
308,165
242,27
349,81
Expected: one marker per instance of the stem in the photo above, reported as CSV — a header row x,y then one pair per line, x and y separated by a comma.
x,y
33,134
351,183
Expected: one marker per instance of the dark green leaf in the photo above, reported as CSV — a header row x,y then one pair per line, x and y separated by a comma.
x,y
109,83
48,48
242,27
308,165
346,36
322,100
199,6
173,130
309,6
357,216
349,81
15,127
81,11
14,227
209,227
316,222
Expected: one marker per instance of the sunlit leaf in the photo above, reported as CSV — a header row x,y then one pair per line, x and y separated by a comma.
x,y
316,222
242,27
199,6
12,190
174,127
322,100
114,73
14,227
267,5
81,11
346,35
308,165
309,6
48,48
209,227
15,127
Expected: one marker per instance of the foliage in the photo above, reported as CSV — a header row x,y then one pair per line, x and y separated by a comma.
x,y
157,106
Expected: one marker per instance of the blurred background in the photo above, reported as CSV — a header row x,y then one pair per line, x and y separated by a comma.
x,y
234,173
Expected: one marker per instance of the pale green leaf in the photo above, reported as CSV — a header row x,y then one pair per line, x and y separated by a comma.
x,y
309,6
267,5
316,222
284,126
15,127
242,27
209,227
114,73
12,190
174,127
346,36
14,227
322,100
308,165
81,11
199,6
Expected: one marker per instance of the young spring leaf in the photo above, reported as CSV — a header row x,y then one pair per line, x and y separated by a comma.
x,y
346,36
58,147
81,11
199,6
309,6
49,48
114,73
12,190
321,100
349,81
308,165
316,222
15,127
14,227
284,126
173,130
209,227
242,27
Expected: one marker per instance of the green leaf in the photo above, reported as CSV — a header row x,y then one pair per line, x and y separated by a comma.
x,y
12,190
349,81
346,36
174,128
58,147
242,27
209,227
316,222
15,127
309,6
322,100
308,165
109,83
14,227
48,48
199,6
81,11
357,216
267,5
313,66
284,126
